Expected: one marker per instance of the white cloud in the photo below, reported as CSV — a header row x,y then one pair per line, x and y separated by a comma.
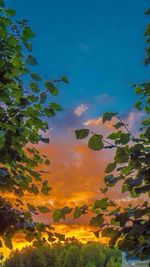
x,y
93,122
80,110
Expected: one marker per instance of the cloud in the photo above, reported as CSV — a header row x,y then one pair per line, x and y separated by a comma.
x,y
99,122
93,122
76,175
78,111
133,119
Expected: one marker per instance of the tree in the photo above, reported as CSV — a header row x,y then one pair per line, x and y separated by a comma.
x,y
91,254
113,263
126,227
72,256
61,255
29,257
90,264
25,109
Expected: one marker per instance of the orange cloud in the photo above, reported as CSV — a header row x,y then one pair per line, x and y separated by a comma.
x,y
99,122
94,122
76,176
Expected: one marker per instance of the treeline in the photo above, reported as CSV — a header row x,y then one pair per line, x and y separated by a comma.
x,y
70,254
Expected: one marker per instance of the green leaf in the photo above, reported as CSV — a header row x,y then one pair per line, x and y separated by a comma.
x,y
110,180
122,155
120,137
60,213
64,79
57,215
125,170
45,188
95,142
147,133
7,242
47,162
35,174
33,98
107,116
138,105
35,77
27,33
77,213
51,88
55,106
110,167
118,125
31,60
113,222
138,90
34,87
43,97
10,12
49,112
97,221
66,210
28,46
102,204
83,133
43,209
147,32
108,232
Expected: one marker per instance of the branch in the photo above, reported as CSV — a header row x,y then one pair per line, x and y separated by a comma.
x,y
125,126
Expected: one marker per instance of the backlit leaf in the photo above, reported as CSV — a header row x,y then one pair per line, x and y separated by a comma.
x,y
107,116
31,60
83,133
95,142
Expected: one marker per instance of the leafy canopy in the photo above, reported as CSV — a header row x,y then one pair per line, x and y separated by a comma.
x,y
25,105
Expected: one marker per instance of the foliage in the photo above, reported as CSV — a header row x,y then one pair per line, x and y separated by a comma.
x,y
91,253
24,108
69,254
128,227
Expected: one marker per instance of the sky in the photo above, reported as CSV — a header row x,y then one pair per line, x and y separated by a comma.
x,y
99,46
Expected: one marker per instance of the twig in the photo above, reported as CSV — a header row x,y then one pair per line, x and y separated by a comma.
x,y
125,126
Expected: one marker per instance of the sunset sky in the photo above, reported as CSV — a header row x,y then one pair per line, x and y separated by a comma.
x,y
99,46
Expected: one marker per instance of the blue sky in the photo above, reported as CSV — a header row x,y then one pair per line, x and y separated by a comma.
x,y
98,44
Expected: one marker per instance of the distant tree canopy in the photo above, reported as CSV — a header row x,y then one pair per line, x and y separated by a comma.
x,y
72,254
25,106
128,227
